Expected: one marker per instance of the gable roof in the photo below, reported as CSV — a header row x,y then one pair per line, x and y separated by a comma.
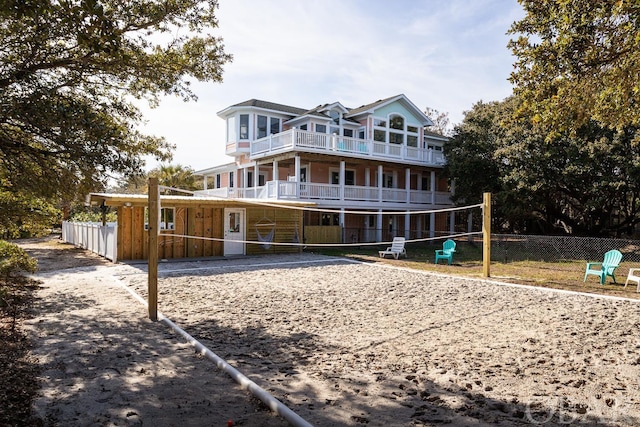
x,y
319,111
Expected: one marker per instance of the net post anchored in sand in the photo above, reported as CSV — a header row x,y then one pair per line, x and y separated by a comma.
x,y
154,225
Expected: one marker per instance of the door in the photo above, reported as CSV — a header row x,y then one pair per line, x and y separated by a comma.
x,y
234,234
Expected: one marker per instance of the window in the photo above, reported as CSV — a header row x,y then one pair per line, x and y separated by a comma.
x,y
348,133
262,126
244,126
387,180
426,183
396,138
234,222
303,127
412,129
218,180
230,179
412,140
380,123
379,135
335,117
361,133
262,178
275,125
396,122
330,219
349,177
321,128
166,218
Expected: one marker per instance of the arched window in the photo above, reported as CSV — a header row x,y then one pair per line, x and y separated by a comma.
x,y
396,122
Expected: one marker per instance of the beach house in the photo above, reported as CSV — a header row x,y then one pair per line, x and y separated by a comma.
x,y
365,168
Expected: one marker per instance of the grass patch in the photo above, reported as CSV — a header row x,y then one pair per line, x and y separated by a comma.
x,y
467,262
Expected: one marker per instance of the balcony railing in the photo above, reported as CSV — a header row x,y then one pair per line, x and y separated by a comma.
x,y
305,191
301,140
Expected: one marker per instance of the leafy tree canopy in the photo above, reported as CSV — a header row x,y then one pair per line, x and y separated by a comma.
x,y
578,61
169,175
70,71
585,183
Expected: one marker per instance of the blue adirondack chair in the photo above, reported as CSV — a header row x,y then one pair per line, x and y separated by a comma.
x,y
448,248
606,267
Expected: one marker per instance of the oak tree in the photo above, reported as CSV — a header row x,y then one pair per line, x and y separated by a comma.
x,y
70,74
578,61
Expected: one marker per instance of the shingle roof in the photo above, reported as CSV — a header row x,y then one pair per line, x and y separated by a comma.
x,y
271,106
370,106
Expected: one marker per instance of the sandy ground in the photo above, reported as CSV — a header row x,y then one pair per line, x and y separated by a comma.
x,y
340,343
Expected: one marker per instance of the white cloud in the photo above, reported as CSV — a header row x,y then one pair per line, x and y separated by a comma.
x,y
443,55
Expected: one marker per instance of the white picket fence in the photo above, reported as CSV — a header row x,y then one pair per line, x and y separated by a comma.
x,y
93,236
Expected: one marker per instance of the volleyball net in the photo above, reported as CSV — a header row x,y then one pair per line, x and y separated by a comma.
x,y
362,227
270,226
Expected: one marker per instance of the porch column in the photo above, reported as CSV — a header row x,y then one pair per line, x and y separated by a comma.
x,y
452,222
204,183
296,167
379,226
367,177
342,217
256,173
432,225
379,183
275,171
433,187
245,177
342,166
407,225
419,225
407,184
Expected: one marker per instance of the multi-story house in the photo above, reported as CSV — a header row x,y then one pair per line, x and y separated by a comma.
x,y
375,159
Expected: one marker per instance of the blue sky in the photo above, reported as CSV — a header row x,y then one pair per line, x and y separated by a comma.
x,y
445,55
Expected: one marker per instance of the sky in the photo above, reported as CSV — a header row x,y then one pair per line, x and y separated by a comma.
x,y
443,54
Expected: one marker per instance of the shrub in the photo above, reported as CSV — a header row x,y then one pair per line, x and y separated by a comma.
x,y
14,259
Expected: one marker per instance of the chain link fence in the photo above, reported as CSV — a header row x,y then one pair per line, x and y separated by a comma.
x,y
509,248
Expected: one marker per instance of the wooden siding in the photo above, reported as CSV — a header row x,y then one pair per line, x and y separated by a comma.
x,y
286,224
322,234
202,221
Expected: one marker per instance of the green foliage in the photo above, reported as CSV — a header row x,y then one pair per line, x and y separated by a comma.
x,y
26,215
92,215
175,176
585,184
70,71
578,62
14,259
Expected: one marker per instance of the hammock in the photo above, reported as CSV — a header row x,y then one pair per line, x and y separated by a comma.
x,y
268,238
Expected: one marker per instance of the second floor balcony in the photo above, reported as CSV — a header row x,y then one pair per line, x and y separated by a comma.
x,y
312,142
333,194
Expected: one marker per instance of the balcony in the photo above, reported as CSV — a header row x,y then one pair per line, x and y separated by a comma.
x,y
350,194
311,142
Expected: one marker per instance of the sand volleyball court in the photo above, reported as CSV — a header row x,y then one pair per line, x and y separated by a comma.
x,y
344,343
